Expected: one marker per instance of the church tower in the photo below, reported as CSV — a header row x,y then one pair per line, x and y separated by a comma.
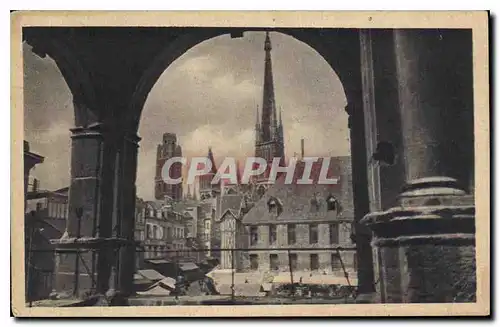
x,y
269,130
207,189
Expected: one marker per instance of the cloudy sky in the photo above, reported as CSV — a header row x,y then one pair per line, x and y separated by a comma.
x,y
208,97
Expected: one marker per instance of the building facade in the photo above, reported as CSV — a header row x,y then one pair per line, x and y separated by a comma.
x,y
168,149
298,226
140,231
167,232
31,159
156,240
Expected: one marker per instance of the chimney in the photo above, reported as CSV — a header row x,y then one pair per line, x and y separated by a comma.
x,y
302,148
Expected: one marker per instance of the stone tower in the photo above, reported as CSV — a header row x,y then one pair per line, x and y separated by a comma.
x,y
168,149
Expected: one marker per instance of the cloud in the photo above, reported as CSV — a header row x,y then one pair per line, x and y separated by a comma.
x,y
223,142
197,66
54,144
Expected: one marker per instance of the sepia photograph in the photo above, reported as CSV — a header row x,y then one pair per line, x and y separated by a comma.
x,y
250,164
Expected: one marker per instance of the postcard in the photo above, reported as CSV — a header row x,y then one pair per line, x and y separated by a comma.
x,y
250,164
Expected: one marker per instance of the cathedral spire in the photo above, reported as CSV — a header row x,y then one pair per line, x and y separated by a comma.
x,y
210,157
269,142
268,121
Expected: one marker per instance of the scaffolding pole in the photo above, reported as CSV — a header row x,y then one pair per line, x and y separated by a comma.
x,y
291,272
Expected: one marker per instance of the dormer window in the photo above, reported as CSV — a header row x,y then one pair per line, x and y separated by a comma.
x,y
274,205
333,204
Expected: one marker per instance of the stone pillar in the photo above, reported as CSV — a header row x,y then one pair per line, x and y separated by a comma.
x,y
360,193
282,235
435,98
427,242
126,195
86,205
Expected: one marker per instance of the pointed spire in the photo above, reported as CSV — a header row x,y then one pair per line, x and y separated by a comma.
x,y
257,122
268,121
267,44
210,156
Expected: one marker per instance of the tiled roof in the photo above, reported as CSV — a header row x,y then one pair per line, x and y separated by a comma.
x,y
297,200
151,274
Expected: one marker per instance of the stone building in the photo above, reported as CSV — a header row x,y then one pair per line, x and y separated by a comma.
x,y
31,159
156,236
140,231
209,193
191,210
45,220
167,232
51,205
308,219
168,149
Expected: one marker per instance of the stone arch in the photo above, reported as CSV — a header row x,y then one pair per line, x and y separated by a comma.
x,y
75,74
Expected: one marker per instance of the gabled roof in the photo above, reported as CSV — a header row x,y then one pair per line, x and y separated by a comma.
x,y
230,202
234,213
297,199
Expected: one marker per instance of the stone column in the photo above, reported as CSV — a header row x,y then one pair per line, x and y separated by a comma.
x,y
426,242
86,202
435,99
126,195
360,196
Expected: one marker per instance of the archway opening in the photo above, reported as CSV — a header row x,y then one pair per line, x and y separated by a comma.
x,y
209,98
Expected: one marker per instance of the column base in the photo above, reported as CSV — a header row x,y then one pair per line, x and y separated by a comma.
x,y
427,244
